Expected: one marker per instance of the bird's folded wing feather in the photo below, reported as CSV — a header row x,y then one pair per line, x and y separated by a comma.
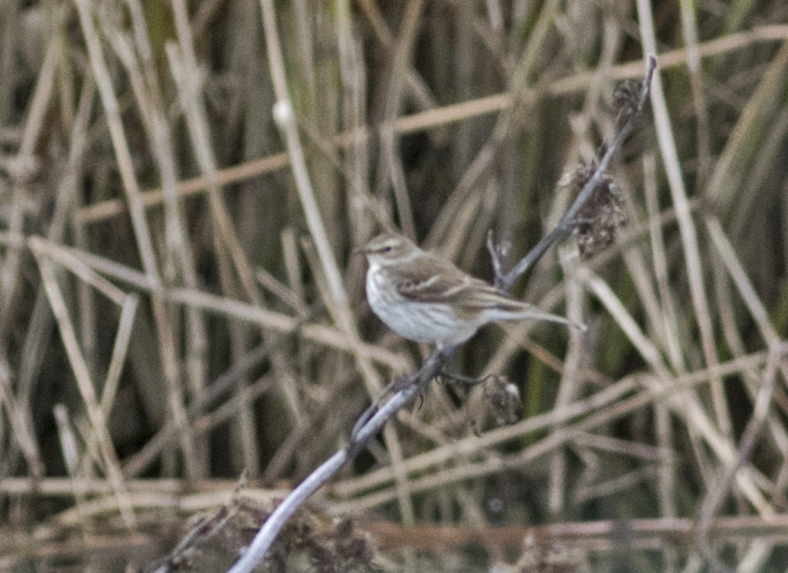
x,y
447,284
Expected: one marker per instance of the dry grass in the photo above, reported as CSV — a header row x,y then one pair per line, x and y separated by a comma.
x,y
180,303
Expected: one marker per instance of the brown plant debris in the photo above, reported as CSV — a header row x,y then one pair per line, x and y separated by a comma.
x,y
503,398
602,217
307,543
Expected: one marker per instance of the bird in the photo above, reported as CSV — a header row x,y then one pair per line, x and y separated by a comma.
x,y
426,298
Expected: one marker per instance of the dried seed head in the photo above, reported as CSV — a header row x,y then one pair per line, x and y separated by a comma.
x,y
504,400
603,215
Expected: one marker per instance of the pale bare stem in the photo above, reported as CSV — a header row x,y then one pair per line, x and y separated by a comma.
x,y
417,89
727,476
128,304
733,337
667,325
40,323
658,303
119,350
70,451
744,285
765,387
178,246
21,422
185,71
141,230
23,169
391,165
686,405
570,383
689,238
68,259
270,529
282,292
354,83
82,375
284,116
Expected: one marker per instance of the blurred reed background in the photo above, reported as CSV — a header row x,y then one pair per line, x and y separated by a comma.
x,y
180,301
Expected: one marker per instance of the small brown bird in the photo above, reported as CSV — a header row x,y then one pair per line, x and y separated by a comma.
x,y
428,299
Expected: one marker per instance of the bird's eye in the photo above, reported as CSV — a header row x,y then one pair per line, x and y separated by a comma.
x,y
386,250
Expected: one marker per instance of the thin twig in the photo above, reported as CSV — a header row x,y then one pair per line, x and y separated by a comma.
x,y
566,223
270,529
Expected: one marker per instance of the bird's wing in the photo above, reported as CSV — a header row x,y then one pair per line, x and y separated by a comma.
x,y
445,283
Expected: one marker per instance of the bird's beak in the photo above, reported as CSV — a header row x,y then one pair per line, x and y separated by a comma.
x,y
360,251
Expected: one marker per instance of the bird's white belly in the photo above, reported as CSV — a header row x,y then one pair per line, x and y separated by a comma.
x,y
422,322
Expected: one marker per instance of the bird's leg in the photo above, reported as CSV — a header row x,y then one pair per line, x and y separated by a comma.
x,y
467,380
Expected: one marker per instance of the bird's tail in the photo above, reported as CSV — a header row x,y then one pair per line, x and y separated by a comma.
x,y
533,313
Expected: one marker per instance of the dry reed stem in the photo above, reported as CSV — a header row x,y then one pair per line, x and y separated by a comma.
x,y
178,254
602,536
601,404
224,306
724,182
667,324
689,29
444,229
203,420
40,323
22,168
285,119
20,421
689,239
392,172
141,232
184,68
440,117
570,377
415,84
127,302
686,405
84,381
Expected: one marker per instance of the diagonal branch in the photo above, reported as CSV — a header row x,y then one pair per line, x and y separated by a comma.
x,y
432,367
